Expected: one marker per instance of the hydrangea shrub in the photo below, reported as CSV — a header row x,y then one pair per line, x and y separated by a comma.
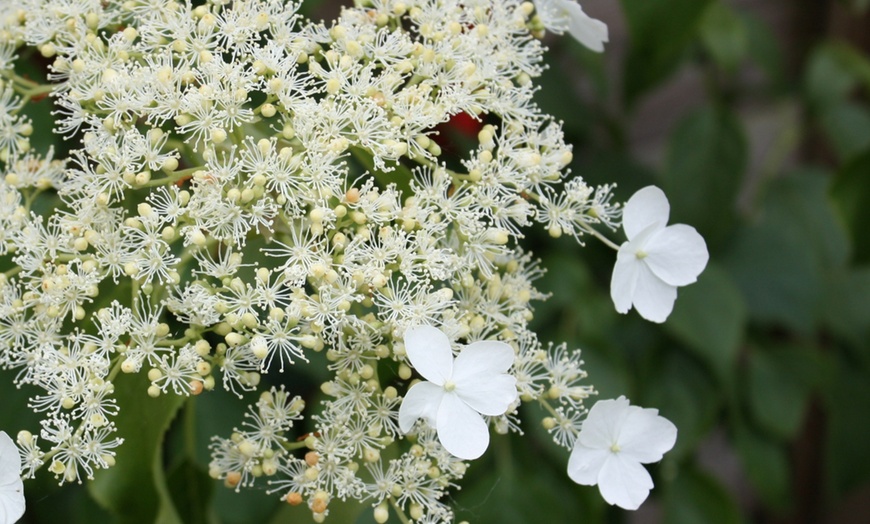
x,y
246,188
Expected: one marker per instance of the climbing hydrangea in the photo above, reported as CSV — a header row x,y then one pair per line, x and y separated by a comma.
x,y
245,188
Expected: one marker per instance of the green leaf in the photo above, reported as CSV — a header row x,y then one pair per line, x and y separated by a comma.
x,y
515,485
603,167
766,464
827,79
660,33
845,308
781,262
724,35
400,175
217,412
834,72
777,276
710,317
800,207
555,92
191,489
684,394
851,194
42,139
695,497
765,50
706,162
848,402
46,500
855,61
350,511
135,488
15,415
847,126
777,396
252,505
34,67
587,323
580,321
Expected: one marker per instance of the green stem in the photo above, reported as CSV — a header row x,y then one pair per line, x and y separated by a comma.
x,y
404,518
609,243
38,90
553,412
190,427
292,446
173,178
115,370
25,82
589,229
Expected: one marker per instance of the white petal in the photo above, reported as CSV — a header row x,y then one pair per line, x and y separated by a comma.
x,y
552,14
11,487
461,430
624,482
488,394
646,436
624,279
585,463
603,423
428,349
588,31
10,460
12,503
421,401
653,297
677,254
484,357
649,206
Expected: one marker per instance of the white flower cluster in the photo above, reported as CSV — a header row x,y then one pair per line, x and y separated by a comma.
x,y
247,187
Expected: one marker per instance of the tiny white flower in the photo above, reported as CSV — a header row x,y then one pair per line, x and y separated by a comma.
x,y
11,487
656,259
560,16
458,391
614,441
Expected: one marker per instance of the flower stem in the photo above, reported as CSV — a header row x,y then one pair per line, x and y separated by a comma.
x,y
401,514
290,446
173,178
604,239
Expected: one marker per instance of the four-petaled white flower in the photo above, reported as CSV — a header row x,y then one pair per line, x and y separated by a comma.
x,y
562,16
656,259
614,441
11,487
457,392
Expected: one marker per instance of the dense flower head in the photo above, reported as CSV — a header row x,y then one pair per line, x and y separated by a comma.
x,y
247,188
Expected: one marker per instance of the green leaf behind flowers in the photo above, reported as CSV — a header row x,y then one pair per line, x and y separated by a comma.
x,y
724,35
135,489
710,318
660,32
851,194
706,161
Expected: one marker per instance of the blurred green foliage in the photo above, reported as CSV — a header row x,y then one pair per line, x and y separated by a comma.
x,y
766,360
